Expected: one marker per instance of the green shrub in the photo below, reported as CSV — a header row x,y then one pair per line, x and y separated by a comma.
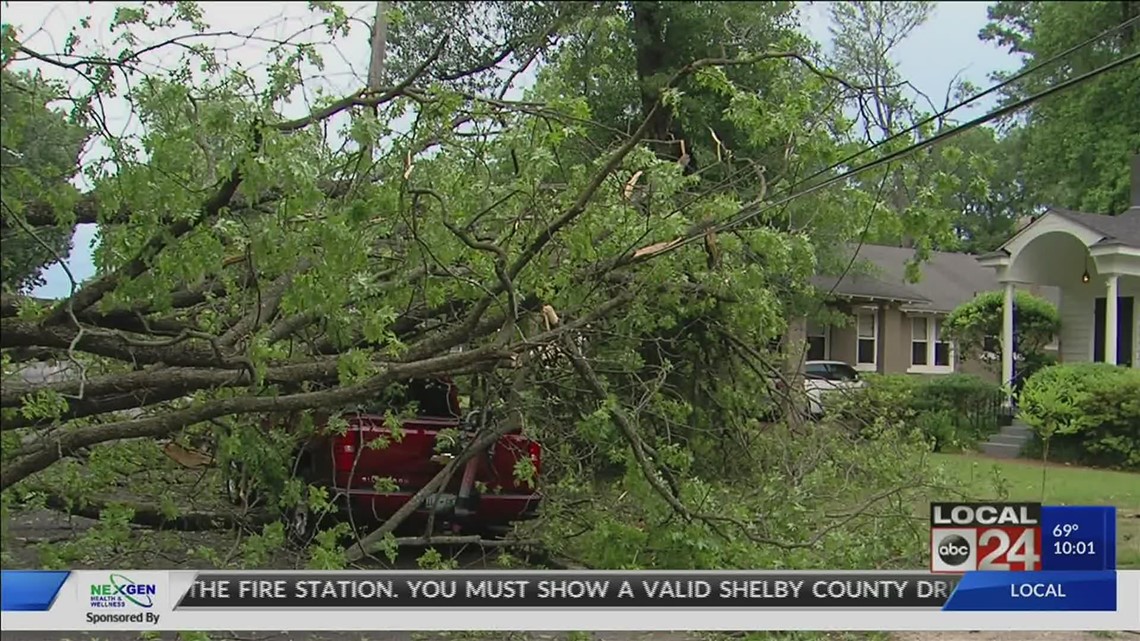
x,y
952,412
1030,365
972,402
1090,411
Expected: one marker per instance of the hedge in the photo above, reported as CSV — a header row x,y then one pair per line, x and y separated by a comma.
x,y
1085,413
954,412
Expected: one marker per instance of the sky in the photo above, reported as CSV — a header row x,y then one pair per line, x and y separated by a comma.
x,y
944,48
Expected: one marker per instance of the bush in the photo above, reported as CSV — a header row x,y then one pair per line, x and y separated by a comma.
x,y
1088,412
973,322
1030,365
973,402
953,412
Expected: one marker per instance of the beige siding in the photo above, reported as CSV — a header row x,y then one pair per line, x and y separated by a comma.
x,y
980,368
843,343
894,341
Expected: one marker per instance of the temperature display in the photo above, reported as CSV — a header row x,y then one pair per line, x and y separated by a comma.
x,y
1078,538
1062,530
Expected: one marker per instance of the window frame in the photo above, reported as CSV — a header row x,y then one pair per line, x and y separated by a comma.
x,y
873,313
933,337
824,333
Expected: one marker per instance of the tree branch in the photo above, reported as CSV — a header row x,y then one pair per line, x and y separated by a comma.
x,y
93,291
35,459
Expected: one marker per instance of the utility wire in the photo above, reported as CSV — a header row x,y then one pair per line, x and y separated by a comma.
x,y
972,99
944,135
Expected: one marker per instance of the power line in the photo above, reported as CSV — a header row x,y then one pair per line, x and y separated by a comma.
x,y
943,135
949,133
997,87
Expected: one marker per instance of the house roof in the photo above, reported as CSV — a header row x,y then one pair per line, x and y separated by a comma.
x,y
868,286
1119,230
948,279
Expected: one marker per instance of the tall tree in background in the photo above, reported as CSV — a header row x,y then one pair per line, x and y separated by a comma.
x,y
1073,149
39,156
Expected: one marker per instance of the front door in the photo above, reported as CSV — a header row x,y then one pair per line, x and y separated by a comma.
x,y
1124,325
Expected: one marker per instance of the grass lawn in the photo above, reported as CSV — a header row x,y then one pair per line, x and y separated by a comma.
x,y
980,477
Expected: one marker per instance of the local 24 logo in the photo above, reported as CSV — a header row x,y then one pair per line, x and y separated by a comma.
x,y
985,536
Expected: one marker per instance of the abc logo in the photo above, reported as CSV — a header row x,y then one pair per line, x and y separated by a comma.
x,y
954,550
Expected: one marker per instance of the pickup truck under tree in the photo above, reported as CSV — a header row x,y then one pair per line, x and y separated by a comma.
x,y
371,470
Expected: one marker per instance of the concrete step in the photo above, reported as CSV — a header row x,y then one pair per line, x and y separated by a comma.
x,y
1001,450
1009,439
1017,430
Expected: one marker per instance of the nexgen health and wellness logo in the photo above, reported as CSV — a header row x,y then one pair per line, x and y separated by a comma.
x,y
120,591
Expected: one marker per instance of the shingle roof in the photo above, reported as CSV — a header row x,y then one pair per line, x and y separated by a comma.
x,y
948,279
868,286
1125,228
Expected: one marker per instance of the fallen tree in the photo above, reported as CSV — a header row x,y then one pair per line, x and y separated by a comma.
x,y
254,263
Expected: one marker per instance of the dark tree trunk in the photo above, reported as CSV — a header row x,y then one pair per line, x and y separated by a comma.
x,y
654,68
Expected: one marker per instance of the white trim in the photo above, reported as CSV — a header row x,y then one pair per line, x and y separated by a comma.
x,y
1050,221
873,312
1104,328
932,324
1100,251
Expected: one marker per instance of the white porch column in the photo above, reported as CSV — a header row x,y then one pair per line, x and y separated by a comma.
x,y
1007,339
1111,316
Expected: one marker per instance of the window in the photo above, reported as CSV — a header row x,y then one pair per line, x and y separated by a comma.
x,y
918,341
817,342
867,334
928,350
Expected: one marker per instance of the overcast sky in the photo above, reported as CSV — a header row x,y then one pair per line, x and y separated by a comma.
x,y
945,47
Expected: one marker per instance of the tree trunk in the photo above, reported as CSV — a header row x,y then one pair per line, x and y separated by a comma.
x,y
653,69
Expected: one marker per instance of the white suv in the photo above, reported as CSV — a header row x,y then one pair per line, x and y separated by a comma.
x,y
828,377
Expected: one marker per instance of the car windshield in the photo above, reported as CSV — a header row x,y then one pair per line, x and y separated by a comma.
x,y
423,397
844,372
815,370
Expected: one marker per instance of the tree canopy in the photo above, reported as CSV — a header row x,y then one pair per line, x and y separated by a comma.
x,y
1073,150
40,154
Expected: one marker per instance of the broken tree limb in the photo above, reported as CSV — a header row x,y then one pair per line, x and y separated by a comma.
x,y
369,544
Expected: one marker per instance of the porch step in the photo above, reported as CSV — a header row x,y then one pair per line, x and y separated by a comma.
x,y
1017,429
1009,439
1001,450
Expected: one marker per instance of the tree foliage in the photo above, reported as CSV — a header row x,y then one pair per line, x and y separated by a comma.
x,y
973,325
1073,150
40,153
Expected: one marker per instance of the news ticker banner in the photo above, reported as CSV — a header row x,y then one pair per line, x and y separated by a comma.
x,y
1021,537
560,600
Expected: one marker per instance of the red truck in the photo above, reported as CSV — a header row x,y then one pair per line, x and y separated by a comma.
x,y
370,481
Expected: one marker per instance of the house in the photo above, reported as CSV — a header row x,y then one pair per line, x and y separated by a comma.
x,y
1094,262
895,326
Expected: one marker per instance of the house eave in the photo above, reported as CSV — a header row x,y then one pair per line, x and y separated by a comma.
x,y
864,298
1113,247
999,258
